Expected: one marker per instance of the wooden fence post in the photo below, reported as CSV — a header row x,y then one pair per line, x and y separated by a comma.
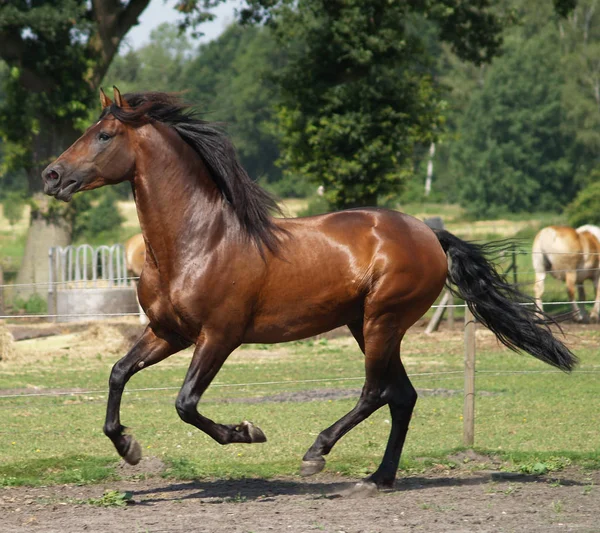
x,y
469,394
1,290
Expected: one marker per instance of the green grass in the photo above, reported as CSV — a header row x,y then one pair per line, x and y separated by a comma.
x,y
525,419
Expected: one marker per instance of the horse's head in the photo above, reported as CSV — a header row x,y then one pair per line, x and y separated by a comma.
x,y
101,156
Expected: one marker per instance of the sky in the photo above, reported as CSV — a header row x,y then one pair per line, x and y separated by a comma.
x,y
160,11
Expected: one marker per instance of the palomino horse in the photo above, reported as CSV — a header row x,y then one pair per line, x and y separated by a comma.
x,y
220,271
135,256
594,230
571,256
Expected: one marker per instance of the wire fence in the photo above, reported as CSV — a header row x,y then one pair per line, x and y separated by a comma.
x,y
8,399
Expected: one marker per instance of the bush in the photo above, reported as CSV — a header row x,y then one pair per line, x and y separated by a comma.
x,y
13,206
34,305
290,186
585,208
93,219
317,205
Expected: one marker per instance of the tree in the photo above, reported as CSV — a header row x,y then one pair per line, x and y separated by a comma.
x,y
585,208
231,78
156,66
513,153
580,40
57,52
357,91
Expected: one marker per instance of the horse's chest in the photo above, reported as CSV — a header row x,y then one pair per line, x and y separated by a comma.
x,y
166,308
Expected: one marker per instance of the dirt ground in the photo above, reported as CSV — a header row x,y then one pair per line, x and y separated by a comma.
x,y
459,500
445,501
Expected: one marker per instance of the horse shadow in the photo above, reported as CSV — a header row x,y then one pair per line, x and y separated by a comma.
x,y
251,489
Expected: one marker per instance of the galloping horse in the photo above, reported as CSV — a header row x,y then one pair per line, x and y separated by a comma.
x,y
221,271
571,256
135,256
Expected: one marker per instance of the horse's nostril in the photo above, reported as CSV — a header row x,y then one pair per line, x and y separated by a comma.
x,y
52,175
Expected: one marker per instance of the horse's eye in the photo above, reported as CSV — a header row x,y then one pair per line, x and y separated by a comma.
x,y
104,137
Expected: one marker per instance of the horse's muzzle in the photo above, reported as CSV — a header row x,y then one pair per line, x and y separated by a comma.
x,y
57,185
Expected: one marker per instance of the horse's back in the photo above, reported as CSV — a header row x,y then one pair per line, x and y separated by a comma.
x,y
591,250
336,268
372,234
594,230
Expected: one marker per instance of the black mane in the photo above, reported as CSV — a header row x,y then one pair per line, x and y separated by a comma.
x,y
251,204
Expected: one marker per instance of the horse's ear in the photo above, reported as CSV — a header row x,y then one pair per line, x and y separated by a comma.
x,y
119,100
105,101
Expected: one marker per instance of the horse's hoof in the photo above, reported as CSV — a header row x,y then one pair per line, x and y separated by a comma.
x,y
363,489
312,467
134,452
254,432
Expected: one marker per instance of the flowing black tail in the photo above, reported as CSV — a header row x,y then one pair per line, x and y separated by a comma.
x,y
498,305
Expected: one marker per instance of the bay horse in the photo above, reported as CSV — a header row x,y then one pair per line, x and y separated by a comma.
x,y
221,271
572,256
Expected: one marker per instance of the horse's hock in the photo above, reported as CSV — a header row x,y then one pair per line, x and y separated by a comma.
x,y
89,283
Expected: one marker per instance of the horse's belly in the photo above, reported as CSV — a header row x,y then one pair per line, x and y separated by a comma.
x,y
300,320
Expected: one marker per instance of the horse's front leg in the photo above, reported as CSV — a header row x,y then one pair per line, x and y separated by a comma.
x,y
151,348
210,354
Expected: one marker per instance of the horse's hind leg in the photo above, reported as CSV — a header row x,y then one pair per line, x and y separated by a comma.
x,y
381,349
571,281
148,350
538,289
402,398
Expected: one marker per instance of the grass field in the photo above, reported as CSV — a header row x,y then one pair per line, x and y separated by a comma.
x,y
526,413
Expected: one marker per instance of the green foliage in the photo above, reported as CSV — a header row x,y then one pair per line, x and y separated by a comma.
x,y
357,91
317,205
231,79
96,213
513,154
289,186
13,206
353,108
538,468
585,208
34,305
46,90
157,66
112,498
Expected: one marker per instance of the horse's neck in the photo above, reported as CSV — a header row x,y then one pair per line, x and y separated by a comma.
x,y
176,200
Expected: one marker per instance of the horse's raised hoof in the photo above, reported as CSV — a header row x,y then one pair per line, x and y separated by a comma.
x,y
254,433
133,455
363,489
312,467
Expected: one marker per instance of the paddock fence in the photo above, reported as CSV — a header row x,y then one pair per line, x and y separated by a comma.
x,y
69,269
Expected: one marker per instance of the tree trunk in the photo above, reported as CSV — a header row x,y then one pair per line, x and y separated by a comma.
x,y
429,177
42,235
53,138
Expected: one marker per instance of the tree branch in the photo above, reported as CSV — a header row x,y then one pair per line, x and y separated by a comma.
x,y
113,22
13,51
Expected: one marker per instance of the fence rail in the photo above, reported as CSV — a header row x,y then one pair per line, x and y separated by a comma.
x,y
469,372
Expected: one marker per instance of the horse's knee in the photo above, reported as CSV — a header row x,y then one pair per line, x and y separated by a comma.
x,y
118,375
186,408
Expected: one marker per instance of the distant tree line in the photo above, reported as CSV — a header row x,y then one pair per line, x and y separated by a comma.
x,y
351,94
